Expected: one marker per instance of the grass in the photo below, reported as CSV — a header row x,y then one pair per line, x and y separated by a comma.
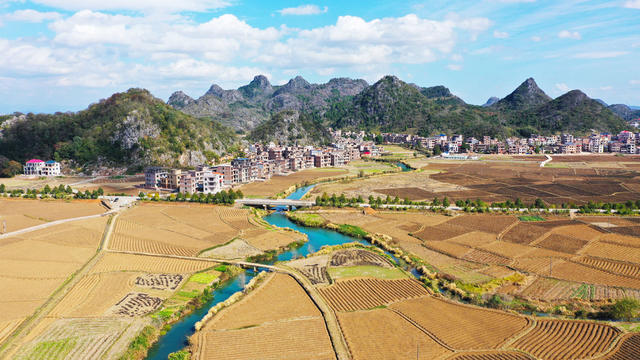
x,y
531,218
365,271
352,230
489,286
311,220
204,278
54,349
556,165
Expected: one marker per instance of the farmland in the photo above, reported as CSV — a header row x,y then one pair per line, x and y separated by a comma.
x,y
19,214
570,252
266,324
363,294
278,184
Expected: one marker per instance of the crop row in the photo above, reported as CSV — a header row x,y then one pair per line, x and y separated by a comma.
x,y
357,294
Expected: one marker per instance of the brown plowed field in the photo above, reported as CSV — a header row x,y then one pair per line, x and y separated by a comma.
x,y
537,265
299,339
448,248
628,349
412,193
524,233
616,267
280,297
492,355
7,327
382,334
494,224
440,232
361,294
563,339
562,243
580,273
152,264
453,323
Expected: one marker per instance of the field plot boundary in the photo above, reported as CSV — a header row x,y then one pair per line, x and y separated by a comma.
x,y
419,327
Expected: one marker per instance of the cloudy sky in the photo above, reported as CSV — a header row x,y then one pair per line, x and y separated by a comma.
x,y
59,55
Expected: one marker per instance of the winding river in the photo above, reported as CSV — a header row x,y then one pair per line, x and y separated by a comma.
x,y
176,338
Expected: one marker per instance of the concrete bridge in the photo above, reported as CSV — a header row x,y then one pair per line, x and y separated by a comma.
x,y
266,203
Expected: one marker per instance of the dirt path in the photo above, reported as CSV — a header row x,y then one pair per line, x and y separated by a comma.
x,y
49,224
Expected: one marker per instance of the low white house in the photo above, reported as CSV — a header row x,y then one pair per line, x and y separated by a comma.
x,y
37,167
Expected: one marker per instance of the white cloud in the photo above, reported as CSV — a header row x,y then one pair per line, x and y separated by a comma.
x,y
562,87
457,58
566,34
600,54
304,10
632,4
634,82
536,38
32,16
150,6
606,88
454,67
500,34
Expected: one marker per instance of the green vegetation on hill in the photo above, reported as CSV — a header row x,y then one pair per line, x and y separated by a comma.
x,y
127,129
291,127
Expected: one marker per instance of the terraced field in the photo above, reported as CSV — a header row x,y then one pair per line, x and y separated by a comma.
x,y
382,334
356,257
627,349
563,339
445,320
491,355
111,262
362,294
276,321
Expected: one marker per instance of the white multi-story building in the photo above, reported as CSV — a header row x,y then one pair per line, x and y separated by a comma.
x,y
38,167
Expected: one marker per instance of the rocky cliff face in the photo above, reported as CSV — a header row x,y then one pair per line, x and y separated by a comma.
x,y
290,127
254,103
525,96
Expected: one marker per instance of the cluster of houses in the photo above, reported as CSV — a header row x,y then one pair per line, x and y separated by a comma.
x,y
37,167
260,164
625,142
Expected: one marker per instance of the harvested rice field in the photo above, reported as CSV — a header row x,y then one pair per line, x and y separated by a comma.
x,y
383,334
280,297
266,324
33,265
112,262
445,320
363,294
491,355
23,213
627,349
563,339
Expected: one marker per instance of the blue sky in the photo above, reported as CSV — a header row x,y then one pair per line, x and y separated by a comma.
x,y
61,55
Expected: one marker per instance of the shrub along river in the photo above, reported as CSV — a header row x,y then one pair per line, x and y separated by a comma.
x,y
176,338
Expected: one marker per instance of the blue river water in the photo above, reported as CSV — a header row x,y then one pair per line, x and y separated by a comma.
x,y
176,338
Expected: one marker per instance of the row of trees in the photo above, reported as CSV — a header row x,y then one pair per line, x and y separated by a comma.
x,y
222,197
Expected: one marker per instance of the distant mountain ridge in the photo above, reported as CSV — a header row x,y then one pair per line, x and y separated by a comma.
x,y
249,105
394,105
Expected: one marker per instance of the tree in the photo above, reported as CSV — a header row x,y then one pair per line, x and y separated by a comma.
x,y
11,169
100,191
46,189
435,202
3,188
141,195
437,150
445,202
624,309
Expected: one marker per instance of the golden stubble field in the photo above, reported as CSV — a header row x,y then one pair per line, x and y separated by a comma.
x,y
190,229
276,321
36,263
22,213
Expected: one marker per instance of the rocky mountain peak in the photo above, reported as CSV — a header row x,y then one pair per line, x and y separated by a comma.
x,y
492,100
260,85
179,100
215,90
525,96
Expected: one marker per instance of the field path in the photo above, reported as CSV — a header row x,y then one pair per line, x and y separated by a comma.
x,y
13,342
49,224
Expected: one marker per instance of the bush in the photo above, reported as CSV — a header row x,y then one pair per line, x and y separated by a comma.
x,y
624,309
